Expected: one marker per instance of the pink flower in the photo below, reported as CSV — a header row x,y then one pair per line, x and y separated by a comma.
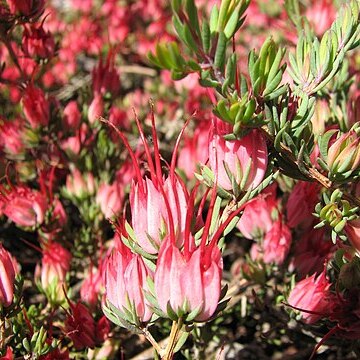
x,y
109,198
55,264
256,219
80,185
24,206
195,150
149,213
7,277
36,107
277,243
125,277
91,286
247,155
72,116
311,294
188,282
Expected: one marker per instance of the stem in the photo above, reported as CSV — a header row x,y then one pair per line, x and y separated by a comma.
x,y
174,337
2,333
151,340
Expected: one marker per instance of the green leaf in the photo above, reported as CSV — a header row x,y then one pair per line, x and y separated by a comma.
x,y
232,23
163,56
224,6
214,19
189,40
193,15
274,83
275,66
219,59
206,37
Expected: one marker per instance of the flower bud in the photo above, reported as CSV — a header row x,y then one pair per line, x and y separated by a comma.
x,y
96,108
90,288
343,158
7,277
80,185
55,264
243,162
256,219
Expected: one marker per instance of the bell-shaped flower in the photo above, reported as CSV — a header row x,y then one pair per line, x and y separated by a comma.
x,y
125,277
343,157
257,218
188,282
312,295
150,214
241,162
7,277
109,198
51,275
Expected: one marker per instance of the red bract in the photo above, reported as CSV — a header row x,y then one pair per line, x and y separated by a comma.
x,y
313,296
105,77
7,277
246,159
38,43
125,283
80,185
321,14
24,206
301,204
312,250
36,107
80,326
